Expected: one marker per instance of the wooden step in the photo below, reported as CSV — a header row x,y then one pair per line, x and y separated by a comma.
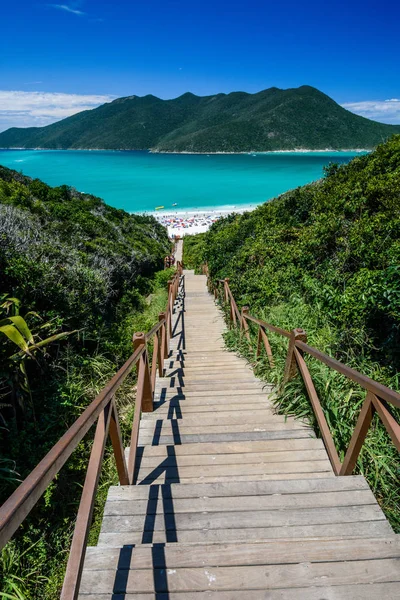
x,y
252,488
242,578
174,471
203,504
191,438
340,530
260,553
377,591
293,446
228,459
257,418
221,395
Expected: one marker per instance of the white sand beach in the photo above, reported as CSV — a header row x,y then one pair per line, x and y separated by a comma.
x,y
181,223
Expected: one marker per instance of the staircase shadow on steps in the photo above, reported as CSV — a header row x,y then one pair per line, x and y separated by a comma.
x,y
160,576
169,467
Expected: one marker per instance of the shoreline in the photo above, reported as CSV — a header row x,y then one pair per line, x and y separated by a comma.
x,y
192,152
190,222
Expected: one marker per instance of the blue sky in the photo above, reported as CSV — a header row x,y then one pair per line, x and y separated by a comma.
x,y
57,59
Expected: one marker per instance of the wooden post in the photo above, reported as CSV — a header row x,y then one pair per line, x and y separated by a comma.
x,y
262,338
226,285
259,340
244,324
163,346
170,307
116,440
291,365
360,433
144,380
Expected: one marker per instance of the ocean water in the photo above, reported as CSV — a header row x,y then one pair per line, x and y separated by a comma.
x,y
140,181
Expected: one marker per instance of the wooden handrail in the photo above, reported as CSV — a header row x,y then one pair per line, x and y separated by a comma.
x,y
103,410
376,400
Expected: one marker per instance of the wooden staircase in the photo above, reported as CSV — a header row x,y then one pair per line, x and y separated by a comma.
x,y
233,501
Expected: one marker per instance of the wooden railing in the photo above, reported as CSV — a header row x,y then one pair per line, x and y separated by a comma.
x,y
102,410
379,398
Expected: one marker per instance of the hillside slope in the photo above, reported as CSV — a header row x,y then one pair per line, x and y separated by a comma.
x,y
68,251
273,119
334,244
84,276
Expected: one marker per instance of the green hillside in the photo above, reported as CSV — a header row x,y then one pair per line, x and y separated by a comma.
x,y
326,257
83,277
273,119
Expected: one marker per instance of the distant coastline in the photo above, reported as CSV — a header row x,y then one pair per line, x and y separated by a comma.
x,y
150,151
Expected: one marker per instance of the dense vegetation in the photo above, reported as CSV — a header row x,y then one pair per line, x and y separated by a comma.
x,y
77,278
326,257
273,119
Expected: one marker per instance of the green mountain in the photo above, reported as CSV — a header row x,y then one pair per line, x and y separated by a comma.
x,y
273,119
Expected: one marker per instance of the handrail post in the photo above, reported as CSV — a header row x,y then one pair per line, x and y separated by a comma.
x,y
170,308
162,347
359,434
291,365
143,372
70,589
262,337
118,448
245,311
226,285
244,324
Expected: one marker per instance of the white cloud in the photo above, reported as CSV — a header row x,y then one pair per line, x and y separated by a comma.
x,y
35,109
385,111
67,8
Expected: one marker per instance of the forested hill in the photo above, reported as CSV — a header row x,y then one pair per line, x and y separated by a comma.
x,y
273,119
333,245
77,279
61,250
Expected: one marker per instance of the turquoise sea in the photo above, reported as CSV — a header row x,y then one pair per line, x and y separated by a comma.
x,y
140,181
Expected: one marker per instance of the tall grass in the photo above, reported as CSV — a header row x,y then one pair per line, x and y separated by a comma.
x,y
33,564
341,399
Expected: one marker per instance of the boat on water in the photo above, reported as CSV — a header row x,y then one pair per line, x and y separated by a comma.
x,y
158,207
175,204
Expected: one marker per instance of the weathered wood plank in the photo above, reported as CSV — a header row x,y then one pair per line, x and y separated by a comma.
x,y
221,424
332,530
375,591
244,520
226,417
252,488
170,478
261,553
217,394
239,503
244,578
189,408
227,437
242,447
231,470
227,459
